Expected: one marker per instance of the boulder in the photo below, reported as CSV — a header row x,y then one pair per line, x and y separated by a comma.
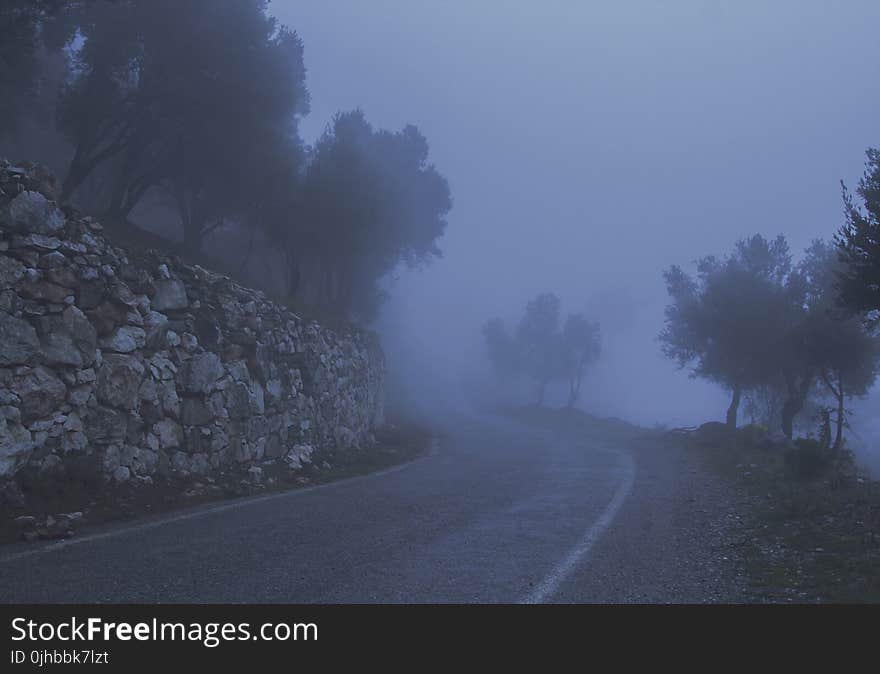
x,y
11,271
45,291
18,340
68,339
169,433
194,412
156,329
104,425
119,381
41,393
16,446
125,339
201,372
169,295
31,212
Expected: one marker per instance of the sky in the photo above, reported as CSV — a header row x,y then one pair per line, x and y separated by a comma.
x,y
590,145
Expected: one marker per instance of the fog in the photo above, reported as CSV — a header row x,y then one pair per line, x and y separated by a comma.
x,y
590,145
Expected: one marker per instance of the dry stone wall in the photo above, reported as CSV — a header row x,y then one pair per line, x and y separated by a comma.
x,y
140,365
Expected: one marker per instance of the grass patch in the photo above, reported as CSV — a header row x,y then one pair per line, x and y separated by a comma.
x,y
811,530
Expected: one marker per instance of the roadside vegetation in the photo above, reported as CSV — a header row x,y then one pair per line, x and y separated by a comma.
x,y
810,526
795,340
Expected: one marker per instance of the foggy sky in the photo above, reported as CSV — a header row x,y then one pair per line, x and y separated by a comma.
x,y
589,145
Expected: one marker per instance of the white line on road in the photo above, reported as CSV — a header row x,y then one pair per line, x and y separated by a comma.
x,y
203,512
547,587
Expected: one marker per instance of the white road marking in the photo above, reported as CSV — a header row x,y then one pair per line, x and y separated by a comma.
x,y
548,587
204,512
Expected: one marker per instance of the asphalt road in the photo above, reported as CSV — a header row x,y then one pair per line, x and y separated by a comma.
x,y
498,512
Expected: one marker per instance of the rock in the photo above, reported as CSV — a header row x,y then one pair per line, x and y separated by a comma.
x,y
156,327
119,381
121,474
69,339
18,340
201,373
125,339
170,295
298,455
63,276
16,445
11,271
41,393
32,212
238,401
104,426
38,241
194,412
107,317
169,433
45,291
255,474
25,521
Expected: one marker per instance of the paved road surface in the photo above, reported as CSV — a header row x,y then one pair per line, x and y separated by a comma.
x,y
498,512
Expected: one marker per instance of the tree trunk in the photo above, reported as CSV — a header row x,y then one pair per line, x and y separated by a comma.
x,y
572,395
542,389
794,401
838,438
734,407
825,434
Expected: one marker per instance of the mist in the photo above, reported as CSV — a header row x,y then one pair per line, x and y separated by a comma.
x,y
495,302
591,145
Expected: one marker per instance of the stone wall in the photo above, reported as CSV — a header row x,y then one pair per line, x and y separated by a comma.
x,y
142,365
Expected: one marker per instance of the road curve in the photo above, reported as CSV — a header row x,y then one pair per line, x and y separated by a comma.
x,y
497,513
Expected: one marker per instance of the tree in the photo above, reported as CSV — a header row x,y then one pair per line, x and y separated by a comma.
x,y
729,323
839,347
370,200
580,339
540,342
27,29
858,241
184,95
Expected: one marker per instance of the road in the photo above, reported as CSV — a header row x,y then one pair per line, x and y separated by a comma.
x,y
497,512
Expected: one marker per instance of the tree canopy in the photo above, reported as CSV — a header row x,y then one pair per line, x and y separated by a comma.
x,y
758,324
194,107
858,241
542,348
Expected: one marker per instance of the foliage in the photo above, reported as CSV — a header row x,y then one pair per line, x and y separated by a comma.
x,y
728,324
542,349
370,199
758,324
194,106
858,241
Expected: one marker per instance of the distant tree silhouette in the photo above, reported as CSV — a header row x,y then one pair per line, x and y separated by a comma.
x,y
581,344
540,342
543,350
